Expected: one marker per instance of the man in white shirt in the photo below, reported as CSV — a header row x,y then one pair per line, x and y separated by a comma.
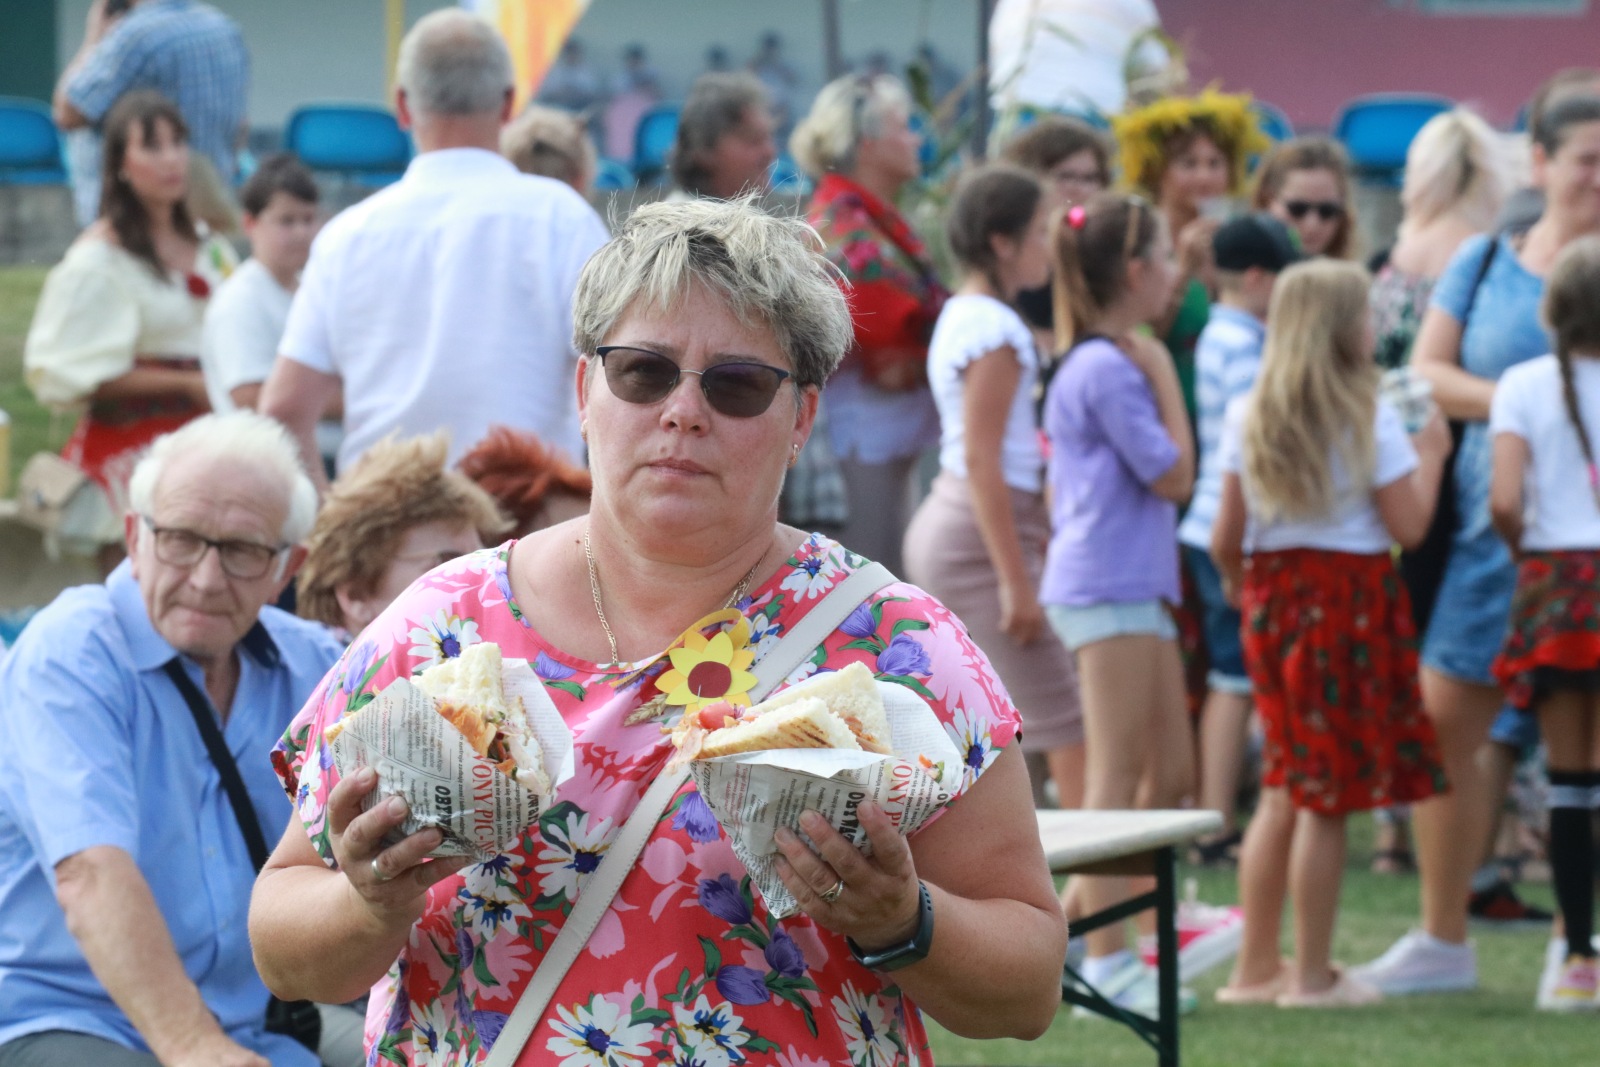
x,y
445,300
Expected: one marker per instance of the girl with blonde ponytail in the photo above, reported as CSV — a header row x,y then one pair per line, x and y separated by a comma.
x,y
1320,480
1544,499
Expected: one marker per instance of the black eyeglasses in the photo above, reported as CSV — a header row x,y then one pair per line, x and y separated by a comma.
x,y
738,390
245,560
1326,210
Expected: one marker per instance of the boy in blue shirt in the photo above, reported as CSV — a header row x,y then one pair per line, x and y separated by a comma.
x,y
1250,252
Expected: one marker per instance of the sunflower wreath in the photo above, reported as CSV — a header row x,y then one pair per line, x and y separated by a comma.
x,y
1144,134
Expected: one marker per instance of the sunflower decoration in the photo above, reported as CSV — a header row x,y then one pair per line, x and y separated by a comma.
x,y
1143,134
706,670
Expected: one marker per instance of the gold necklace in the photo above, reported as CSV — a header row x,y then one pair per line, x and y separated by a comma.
x,y
600,611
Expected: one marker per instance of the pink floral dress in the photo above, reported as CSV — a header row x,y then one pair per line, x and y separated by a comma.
x,y
687,966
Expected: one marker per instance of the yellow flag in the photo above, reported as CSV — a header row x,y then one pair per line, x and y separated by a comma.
x,y
534,30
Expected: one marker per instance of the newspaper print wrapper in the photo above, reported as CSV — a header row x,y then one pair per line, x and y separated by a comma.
x,y
754,793
420,756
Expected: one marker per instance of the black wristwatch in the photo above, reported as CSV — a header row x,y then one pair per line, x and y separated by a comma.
x,y
906,952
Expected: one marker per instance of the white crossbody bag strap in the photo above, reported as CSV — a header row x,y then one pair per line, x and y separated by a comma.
x,y
785,657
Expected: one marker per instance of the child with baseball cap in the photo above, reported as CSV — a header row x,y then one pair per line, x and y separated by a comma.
x,y
1250,251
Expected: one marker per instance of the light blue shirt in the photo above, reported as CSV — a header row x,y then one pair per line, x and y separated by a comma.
x,y
1226,361
101,749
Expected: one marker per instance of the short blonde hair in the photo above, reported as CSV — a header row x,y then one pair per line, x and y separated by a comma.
x,y
398,485
847,111
770,270
551,143
1455,164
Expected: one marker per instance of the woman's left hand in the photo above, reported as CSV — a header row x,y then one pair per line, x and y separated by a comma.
x,y
1022,617
877,898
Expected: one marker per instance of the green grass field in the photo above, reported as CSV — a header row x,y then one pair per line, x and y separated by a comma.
x,y
1494,1027
31,428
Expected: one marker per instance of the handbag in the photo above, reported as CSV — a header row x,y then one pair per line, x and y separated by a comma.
x,y
786,655
1422,568
298,1019
56,497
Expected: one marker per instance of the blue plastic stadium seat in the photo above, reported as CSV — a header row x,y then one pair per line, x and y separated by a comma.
x,y
611,176
30,145
360,141
1377,130
784,177
653,140
1273,122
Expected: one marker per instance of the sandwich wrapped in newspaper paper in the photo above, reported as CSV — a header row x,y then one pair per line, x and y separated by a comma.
x,y
474,745
752,793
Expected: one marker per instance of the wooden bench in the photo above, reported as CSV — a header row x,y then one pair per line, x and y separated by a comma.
x,y
1130,843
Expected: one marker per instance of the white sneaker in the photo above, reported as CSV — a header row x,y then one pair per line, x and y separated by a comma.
x,y
1419,963
1134,988
1208,936
1555,959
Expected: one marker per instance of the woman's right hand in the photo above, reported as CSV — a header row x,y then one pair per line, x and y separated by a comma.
x,y
1021,616
391,882
1194,250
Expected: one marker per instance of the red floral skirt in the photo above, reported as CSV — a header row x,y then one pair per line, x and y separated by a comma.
x,y
1555,625
1332,653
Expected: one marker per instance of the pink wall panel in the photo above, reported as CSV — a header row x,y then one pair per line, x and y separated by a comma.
x,y
1309,56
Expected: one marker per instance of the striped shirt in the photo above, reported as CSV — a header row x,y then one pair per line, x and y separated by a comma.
x,y
1226,360
189,52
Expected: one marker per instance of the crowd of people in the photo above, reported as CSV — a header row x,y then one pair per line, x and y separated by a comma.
x,y
1201,479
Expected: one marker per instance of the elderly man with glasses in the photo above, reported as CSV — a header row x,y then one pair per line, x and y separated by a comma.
x,y
126,851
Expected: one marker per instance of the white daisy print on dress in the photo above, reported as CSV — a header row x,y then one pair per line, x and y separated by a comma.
x,y
598,1034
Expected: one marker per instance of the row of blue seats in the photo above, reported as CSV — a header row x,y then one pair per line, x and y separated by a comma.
x,y
365,144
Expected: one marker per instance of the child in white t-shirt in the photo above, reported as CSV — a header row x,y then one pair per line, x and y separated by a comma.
x,y
245,318
1303,540
1544,500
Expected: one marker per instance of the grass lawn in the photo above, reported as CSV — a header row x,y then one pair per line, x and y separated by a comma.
x,y
30,424
1493,1027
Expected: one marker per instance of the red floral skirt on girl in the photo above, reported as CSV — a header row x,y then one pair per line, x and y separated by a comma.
x,y
1332,652
1554,636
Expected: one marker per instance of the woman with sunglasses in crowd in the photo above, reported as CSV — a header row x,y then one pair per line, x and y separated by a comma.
x,y
1305,182
708,329
116,334
858,144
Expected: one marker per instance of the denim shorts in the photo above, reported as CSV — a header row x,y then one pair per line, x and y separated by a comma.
x,y
1221,622
1515,729
1079,626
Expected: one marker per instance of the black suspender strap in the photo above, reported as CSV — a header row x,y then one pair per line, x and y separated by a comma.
x,y
205,719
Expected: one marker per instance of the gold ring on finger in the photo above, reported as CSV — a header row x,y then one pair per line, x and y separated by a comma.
x,y
833,892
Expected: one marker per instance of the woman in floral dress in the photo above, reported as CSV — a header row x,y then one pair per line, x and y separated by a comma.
x,y
688,965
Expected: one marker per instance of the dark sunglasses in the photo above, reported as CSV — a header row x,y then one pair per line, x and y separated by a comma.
x,y
738,390
1326,210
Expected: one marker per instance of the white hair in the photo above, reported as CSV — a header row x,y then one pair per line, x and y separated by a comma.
x,y
1455,164
847,111
454,63
252,439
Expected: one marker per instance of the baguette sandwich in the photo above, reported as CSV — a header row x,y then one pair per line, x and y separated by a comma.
x,y
842,709
469,693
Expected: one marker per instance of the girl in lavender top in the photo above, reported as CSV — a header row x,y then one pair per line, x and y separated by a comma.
x,y
1121,459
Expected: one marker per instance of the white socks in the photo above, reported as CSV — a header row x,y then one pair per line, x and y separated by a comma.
x,y
1096,969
